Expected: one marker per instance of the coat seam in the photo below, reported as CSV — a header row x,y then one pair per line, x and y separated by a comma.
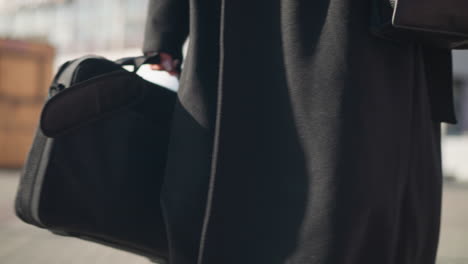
x,y
214,161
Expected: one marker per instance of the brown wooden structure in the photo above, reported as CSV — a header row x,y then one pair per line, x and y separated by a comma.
x,y
25,74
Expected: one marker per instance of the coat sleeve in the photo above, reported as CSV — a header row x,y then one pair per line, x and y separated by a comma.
x,y
167,26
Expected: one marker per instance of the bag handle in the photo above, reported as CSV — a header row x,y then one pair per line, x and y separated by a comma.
x,y
138,61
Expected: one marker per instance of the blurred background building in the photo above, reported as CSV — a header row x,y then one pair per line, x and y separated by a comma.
x,y
74,26
455,140
110,28
71,28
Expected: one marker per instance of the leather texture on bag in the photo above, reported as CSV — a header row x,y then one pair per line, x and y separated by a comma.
x,y
441,24
96,165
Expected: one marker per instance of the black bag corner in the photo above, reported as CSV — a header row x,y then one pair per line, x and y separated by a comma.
x,y
434,23
96,165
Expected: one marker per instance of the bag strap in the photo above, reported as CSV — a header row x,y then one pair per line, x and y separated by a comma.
x,y
66,71
64,76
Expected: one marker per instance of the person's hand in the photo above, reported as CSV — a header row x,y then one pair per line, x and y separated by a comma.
x,y
167,63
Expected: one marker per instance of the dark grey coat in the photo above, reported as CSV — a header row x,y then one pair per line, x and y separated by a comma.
x,y
298,137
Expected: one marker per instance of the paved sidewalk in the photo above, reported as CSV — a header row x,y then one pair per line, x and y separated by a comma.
x,y
453,246
24,244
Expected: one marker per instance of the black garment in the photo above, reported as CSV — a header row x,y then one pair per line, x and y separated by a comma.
x,y
298,137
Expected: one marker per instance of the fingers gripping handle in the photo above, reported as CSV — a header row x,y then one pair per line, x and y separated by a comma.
x,y
137,62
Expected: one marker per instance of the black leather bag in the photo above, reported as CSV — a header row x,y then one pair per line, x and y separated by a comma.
x,y
97,162
437,23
